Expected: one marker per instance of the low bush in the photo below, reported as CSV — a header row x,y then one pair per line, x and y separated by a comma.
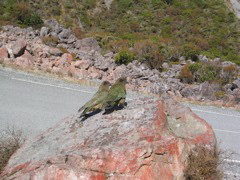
x,y
78,32
207,72
118,45
10,141
220,94
200,72
149,53
229,73
50,40
124,57
204,163
186,75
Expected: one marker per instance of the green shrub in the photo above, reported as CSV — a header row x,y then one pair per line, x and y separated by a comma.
x,y
123,4
186,75
199,72
168,1
31,20
208,72
89,3
195,67
149,53
21,13
124,57
191,51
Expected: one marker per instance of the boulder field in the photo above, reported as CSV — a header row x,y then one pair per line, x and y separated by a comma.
x,y
54,49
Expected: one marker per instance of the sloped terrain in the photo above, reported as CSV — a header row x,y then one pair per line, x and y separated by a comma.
x,y
155,30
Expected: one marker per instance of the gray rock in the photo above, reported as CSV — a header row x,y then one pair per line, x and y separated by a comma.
x,y
143,67
182,58
109,55
216,60
108,3
54,25
158,88
203,58
187,92
65,34
54,34
87,44
30,35
165,65
175,84
228,63
55,52
237,83
71,39
208,90
7,28
44,31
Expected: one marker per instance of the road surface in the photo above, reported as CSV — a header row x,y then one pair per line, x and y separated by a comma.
x,y
35,103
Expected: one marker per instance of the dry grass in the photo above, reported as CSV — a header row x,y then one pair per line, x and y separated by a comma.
x,y
204,164
10,141
50,40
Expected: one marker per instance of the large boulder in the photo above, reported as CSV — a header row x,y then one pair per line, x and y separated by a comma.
x,y
25,61
19,47
87,44
149,139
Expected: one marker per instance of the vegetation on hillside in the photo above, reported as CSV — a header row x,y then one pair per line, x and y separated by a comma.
x,y
18,12
152,30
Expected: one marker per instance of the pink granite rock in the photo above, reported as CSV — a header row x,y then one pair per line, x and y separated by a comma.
x,y
149,139
19,47
26,60
3,53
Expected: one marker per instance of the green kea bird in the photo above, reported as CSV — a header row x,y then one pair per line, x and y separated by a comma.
x,y
96,103
117,94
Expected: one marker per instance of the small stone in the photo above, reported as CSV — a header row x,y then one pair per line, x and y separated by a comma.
x,y
165,65
44,31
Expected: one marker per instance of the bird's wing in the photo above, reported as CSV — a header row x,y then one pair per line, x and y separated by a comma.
x,y
115,94
97,98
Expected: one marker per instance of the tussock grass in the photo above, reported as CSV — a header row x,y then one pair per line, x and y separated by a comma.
x,y
10,140
204,163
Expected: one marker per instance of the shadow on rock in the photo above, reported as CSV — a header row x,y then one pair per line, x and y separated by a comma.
x,y
83,118
115,108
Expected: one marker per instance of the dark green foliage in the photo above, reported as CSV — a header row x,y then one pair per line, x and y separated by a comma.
x,y
168,1
201,72
124,57
31,20
19,12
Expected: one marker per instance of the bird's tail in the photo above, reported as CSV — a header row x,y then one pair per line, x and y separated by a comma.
x,y
81,109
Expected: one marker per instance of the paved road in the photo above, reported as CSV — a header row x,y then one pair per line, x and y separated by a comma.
x,y
35,103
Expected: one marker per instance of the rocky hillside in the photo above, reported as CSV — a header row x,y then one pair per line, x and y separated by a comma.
x,y
152,31
54,49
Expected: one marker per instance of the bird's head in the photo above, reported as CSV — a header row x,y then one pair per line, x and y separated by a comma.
x,y
105,85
